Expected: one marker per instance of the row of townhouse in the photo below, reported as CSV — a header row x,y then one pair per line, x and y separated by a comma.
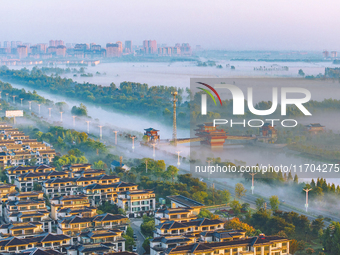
x,y
260,245
72,205
75,224
15,171
160,244
17,149
192,227
26,207
100,249
179,231
43,241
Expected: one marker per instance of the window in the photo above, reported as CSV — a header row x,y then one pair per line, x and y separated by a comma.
x,y
227,251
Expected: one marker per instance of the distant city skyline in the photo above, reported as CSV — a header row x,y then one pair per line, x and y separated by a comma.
x,y
235,25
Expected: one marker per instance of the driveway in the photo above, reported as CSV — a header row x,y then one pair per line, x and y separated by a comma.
x,y
135,225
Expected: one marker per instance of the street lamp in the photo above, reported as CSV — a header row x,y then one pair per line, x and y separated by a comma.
x,y
49,112
88,126
115,136
306,205
74,121
178,152
100,132
252,182
133,141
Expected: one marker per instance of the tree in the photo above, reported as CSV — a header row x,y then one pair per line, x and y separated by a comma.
x,y
235,223
240,191
129,231
37,186
204,213
317,225
301,245
293,246
274,203
129,242
260,203
79,111
236,207
309,251
99,165
301,72
148,226
171,171
296,179
146,245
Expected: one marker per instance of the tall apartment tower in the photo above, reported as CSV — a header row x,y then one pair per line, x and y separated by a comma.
x,y
128,46
22,51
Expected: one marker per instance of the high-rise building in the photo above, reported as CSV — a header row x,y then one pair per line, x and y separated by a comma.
x,y
128,46
325,54
186,49
42,47
51,43
59,42
22,51
334,54
112,50
61,51
6,44
150,46
18,43
13,44
120,47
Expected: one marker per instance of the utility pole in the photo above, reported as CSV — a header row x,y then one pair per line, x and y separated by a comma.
x,y
115,136
14,99
178,152
209,161
74,121
133,141
88,126
30,105
154,152
252,182
100,132
306,205
174,124
61,116
49,112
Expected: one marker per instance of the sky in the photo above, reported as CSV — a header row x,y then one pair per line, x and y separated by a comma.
x,y
214,24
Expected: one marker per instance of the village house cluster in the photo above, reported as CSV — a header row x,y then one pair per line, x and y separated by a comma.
x,y
48,212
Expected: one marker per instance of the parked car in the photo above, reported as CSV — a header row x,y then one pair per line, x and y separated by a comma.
x,y
134,248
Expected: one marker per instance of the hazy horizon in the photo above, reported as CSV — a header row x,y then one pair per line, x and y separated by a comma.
x,y
237,25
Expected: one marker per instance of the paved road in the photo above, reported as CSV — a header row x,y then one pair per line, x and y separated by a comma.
x,y
249,198
135,225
